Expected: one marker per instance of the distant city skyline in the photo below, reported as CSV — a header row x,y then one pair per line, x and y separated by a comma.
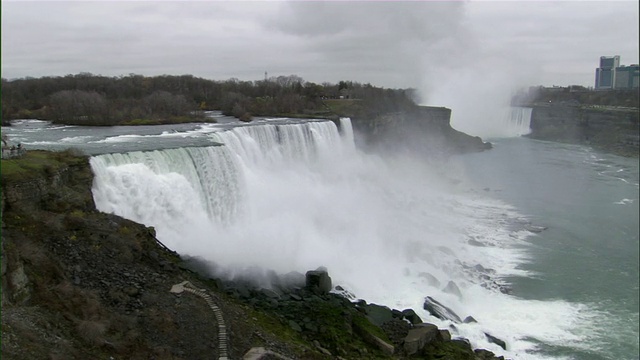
x,y
613,75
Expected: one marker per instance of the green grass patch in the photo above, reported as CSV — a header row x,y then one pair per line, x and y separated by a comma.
x,y
276,326
36,163
344,107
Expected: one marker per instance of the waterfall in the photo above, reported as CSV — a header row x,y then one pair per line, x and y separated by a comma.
x,y
155,186
390,228
517,121
271,145
160,186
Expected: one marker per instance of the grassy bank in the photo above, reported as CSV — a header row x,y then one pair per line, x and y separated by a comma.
x,y
36,163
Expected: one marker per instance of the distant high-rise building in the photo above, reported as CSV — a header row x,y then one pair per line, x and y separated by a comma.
x,y
627,77
606,73
610,61
612,75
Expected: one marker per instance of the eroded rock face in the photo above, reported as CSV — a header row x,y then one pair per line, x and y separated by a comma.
x,y
611,129
425,129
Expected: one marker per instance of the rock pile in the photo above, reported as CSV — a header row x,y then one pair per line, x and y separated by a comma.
x,y
340,326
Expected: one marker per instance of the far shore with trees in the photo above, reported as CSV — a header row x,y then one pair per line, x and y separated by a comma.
x,y
95,100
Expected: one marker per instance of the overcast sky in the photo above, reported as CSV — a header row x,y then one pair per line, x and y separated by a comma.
x,y
437,47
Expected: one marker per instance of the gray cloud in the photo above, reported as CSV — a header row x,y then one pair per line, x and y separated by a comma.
x,y
374,41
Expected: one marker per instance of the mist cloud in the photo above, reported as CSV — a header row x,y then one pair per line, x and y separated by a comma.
x,y
373,41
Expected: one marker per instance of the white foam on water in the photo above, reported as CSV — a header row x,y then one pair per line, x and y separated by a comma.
x,y
37,142
119,139
29,121
624,202
296,197
518,321
198,132
76,139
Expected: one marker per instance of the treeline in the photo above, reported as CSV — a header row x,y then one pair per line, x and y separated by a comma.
x,y
87,99
576,95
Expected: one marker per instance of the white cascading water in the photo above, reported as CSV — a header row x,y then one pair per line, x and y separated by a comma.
x,y
518,121
298,196
491,122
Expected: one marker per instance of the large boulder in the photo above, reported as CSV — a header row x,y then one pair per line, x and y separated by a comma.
x,y
411,315
382,345
495,340
378,314
318,281
440,311
420,336
368,335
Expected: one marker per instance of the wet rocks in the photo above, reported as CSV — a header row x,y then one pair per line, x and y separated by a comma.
x,y
440,311
469,320
344,293
411,315
495,340
535,228
486,278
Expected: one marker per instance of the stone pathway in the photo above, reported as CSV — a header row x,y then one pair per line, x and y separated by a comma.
x,y
222,328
